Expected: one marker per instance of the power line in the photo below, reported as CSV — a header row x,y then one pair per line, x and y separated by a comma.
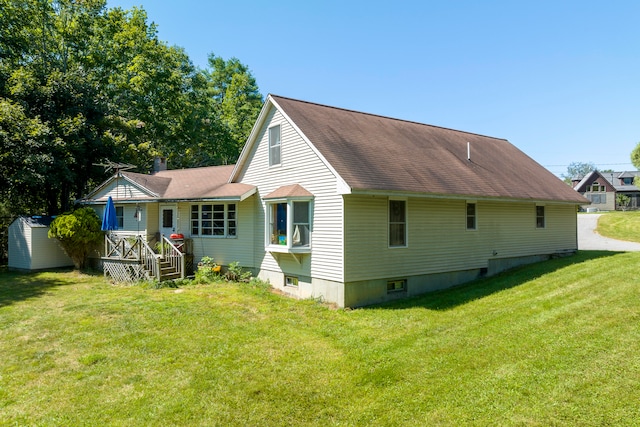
x,y
598,164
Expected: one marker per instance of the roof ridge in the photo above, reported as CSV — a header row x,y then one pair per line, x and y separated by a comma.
x,y
384,117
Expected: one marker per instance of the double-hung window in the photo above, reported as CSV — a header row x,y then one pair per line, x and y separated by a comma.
x,y
397,223
274,145
120,216
471,216
540,218
216,220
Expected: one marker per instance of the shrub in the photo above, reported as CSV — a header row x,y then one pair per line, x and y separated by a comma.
x,y
207,270
78,233
236,274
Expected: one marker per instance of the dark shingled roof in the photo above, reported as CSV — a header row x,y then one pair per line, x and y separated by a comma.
x,y
378,153
195,183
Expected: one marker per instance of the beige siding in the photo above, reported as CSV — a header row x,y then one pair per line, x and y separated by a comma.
x,y
223,250
31,249
148,226
121,189
152,211
19,245
45,252
610,200
299,165
438,240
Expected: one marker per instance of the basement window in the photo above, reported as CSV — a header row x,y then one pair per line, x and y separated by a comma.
x,y
291,281
397,285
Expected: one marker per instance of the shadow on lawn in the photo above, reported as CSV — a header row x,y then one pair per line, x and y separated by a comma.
x,y
459,295
19,286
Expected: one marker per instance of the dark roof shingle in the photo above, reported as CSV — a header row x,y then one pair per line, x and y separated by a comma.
x,y
195,183
378,153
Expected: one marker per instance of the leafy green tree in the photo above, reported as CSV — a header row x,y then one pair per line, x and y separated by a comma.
x,y
577,170
78,233
80,84
23,163
237,100
622,201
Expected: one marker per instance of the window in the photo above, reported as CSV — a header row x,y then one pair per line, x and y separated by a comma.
x,y
167,218
290,281
399,285
540,223
218,220
274,145
627,181
120,216
397,223
471,216
597,198
290,224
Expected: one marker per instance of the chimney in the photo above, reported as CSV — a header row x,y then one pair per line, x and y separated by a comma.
x,y
159,164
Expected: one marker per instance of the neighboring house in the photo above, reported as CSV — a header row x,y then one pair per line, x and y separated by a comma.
x,y
602,189
30,247
354,208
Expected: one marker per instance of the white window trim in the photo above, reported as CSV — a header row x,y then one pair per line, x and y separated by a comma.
x,y
271,164
475,215
120,218
406,222
544,217
226,234
288,248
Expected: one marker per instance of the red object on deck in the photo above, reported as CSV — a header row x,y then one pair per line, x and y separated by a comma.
x,y
176,236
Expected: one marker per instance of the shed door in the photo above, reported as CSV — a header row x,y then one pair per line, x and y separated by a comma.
x,y
168,219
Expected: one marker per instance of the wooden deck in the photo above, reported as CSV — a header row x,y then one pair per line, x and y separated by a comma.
x,y
130,258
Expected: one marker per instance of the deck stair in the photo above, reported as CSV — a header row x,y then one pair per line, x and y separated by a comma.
x,y
131,259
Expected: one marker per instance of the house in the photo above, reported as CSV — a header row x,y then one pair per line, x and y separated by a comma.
x,y
602,189
354,208
30,247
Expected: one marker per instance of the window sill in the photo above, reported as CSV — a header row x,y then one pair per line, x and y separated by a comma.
x,y
286,250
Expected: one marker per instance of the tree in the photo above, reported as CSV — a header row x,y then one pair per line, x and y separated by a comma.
x,y
577,170
81,84
78,233
237,100
622,201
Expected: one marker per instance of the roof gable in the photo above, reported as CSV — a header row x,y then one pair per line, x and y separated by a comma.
x,y
125,185
372,153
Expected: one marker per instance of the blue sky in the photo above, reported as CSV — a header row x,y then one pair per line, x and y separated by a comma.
x,y
558,79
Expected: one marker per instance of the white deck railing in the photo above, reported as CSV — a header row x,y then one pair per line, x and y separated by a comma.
x,y
133,248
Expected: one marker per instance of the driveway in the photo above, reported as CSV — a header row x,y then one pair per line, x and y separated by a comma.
x,y
589,240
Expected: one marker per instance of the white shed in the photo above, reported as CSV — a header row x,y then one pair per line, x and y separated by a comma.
x,y
30,247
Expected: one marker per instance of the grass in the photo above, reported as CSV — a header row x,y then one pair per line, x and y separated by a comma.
x,y
620,225
555,343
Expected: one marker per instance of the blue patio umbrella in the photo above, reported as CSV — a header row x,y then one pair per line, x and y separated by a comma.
x,y
109,220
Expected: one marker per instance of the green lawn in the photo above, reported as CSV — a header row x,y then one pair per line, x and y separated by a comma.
x,y
556,343
620,225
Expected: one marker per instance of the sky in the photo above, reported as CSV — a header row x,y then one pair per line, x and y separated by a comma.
x,y
558,79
